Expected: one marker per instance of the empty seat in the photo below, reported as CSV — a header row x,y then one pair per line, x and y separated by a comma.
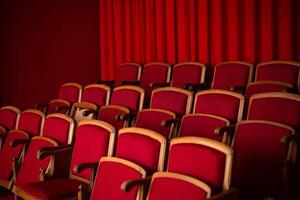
x,y
173,99
203,125
276,106
154,73
93,97
9,116
94,139
222,103
68,94
168,185
30,124
153,119
284,71
30,168
229,74
202,159
143,147
259,158
111,173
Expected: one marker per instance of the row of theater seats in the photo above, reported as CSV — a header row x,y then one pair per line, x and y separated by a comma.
x,y
271,119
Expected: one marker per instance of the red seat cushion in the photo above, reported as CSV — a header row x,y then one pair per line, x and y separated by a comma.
x,y
31,123
53,189
187,73
95,95
109,113
127,98
8,118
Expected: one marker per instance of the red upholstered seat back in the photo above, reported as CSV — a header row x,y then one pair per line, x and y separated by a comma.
x,y
96,94
128,72
176,100
188,72
207,160
202,125
8,153
131,97
166,185
230,74
30,169
152,119
59,127
284,71
143,147
9,117
266,86
109,113
31,121
276,106
70,92
94,139
154,73
112,172
222,103
258,156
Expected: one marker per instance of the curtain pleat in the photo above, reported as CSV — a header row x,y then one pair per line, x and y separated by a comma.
x,y
208,31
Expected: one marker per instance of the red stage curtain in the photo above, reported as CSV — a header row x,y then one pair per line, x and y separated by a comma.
x,y
208,31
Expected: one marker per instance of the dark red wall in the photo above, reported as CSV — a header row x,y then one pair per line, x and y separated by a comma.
x,y
43,44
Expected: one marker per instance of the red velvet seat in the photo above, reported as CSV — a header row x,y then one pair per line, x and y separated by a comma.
x,y
59,127
29,125
107,184
155,72
9,116
143,147
30,169
93,97
192,160
204,159
276,106
259,156
152,119
94,139
130,72
167,185
202,125
221,103
232,73
187,73
124,100
173,99
284,71
68,94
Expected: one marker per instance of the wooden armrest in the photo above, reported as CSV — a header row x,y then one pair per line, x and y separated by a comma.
x,y
124,117
82,166
197,87
3,130
239,89
63,108
231,194
157,85
130,82
48,151
129,184
288,138
91,165
169,122
109,83
17,142
87,112
228,129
